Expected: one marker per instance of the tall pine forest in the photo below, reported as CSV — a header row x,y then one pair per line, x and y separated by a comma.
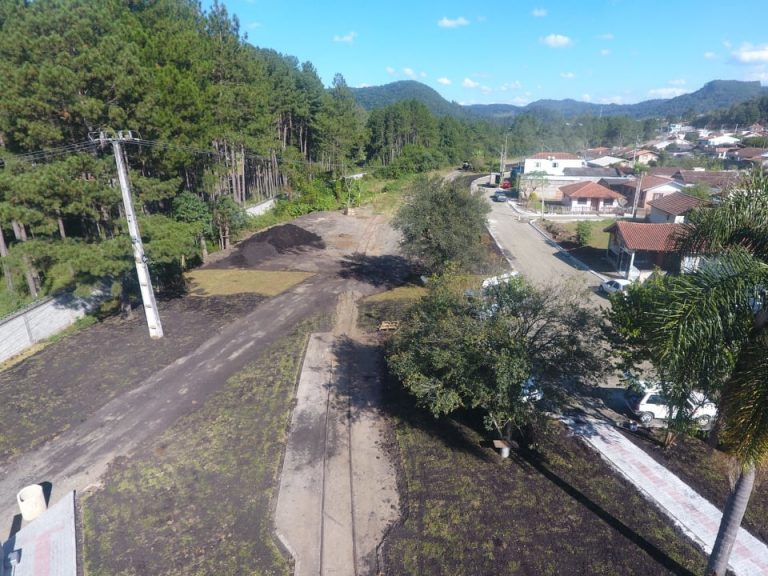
x,y
216,123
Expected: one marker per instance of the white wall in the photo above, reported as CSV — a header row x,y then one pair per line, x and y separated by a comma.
x,y
44,319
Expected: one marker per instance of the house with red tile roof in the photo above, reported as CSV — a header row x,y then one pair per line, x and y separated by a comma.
x,y
673,208
716,180
590,197
636,248
651,188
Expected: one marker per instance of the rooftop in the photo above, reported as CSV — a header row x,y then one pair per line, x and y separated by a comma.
x,y
645,236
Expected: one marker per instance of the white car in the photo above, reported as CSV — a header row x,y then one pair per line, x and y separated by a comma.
x,y
613,286
529,392
649,404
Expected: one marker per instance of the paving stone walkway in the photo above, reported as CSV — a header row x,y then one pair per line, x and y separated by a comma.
x,y
695,515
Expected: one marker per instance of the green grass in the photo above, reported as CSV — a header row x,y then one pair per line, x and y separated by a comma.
x,y
217,282
561,512
199,500
598,238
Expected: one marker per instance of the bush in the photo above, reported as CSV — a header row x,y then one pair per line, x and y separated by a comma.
x,y
583,232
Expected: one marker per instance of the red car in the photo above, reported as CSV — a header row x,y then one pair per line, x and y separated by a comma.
x,y
506,184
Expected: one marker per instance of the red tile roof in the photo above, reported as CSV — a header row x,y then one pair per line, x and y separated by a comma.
x,y
554,156
715,178
649,182
589,190
644,236
677,203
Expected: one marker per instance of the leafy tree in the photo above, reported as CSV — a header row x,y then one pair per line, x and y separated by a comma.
x,y
708,330
452,352
583,232
189,208
442,222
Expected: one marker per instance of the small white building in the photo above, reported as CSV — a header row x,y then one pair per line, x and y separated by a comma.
x,y
672,208
552,163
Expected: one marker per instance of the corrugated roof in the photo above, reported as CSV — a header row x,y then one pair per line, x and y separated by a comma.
x,y
645,236
677,203
589,190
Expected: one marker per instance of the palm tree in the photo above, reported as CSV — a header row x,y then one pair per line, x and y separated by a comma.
x,y
709,329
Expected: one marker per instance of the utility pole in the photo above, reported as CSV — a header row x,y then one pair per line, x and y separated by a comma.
x,y
142,270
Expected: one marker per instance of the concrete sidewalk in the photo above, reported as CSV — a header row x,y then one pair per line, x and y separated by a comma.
x,y
338,488
695,515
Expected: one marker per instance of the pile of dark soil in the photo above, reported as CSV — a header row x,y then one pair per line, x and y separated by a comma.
x,y
268,244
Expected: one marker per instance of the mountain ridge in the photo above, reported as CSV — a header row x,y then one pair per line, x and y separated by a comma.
x,y
714,95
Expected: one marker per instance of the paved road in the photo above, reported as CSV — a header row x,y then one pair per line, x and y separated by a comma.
x,y
534,256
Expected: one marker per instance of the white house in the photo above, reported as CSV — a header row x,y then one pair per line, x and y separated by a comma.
x,y
590,197
672,208
720,140
552,163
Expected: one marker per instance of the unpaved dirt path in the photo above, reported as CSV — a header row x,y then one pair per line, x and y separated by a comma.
x,y
78,457
338,490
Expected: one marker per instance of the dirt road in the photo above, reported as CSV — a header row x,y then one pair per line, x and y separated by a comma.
x,y
78,457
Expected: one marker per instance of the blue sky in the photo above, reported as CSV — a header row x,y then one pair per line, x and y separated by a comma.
x,y
515,51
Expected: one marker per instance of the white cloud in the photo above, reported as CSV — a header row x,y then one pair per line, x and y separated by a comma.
x,y
710,55
422,74
409,72
666,92
727,44
556,41
390,70
758,73
469,83
254,25
363,85
444,81
606,36
611,100
486,89
567,75
539,12
749,54
586,97
445,22
677,82
605,52
346,38
516,85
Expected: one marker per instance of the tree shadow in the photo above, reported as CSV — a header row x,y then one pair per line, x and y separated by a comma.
x,y
362,380
386,270
648,547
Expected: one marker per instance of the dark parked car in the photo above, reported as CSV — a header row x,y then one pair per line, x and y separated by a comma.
x,y
499,196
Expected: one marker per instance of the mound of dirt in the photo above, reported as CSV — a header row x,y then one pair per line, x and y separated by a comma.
x,y
269,243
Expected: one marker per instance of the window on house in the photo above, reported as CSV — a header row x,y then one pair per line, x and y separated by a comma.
x,y
555,164
538,164
657,195
583,201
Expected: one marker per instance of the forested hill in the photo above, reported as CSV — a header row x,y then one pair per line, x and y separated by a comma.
x,y
715,95
215,122
372,97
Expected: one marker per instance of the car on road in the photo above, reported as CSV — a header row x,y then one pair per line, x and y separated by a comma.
x,y
499,196
529,392
612,286
647,403
506,184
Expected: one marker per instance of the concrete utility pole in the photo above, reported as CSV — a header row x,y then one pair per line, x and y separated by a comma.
x,y
142,270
